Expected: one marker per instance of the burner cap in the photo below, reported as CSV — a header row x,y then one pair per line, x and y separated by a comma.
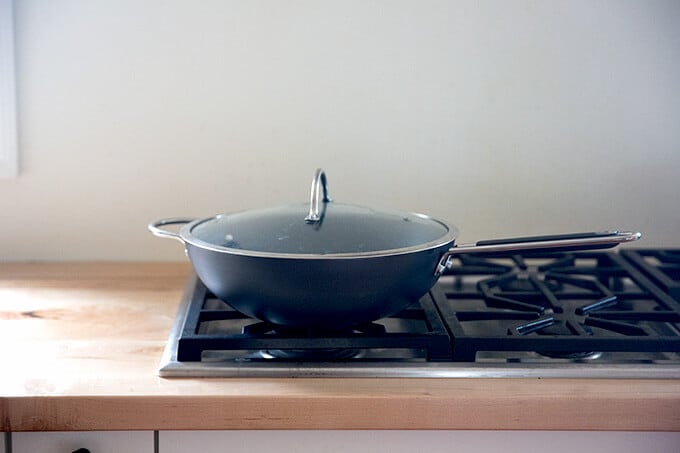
x,y
571,355
316,355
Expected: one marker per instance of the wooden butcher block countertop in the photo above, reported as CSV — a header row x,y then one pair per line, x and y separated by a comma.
x,y
81,342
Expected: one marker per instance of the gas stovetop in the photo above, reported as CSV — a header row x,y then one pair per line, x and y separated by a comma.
x,y
585,314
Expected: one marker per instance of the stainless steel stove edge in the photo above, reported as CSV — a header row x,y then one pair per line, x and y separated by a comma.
x,y
419,370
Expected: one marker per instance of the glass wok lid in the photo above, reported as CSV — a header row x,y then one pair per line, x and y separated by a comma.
x,y
340,229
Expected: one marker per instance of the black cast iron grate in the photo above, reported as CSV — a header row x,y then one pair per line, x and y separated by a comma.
x,y
569,305
212,327
661,266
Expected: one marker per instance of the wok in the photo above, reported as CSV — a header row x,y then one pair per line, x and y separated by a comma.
x,y
330,265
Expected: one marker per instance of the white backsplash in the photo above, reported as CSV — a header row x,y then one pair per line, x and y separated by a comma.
x,y
502,117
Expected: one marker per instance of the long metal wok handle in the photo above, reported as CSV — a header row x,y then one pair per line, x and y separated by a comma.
x,y
554,243
155,227
319,183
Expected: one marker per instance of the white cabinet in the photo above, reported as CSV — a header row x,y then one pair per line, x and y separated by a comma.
x,y
344,441
95,441
415,441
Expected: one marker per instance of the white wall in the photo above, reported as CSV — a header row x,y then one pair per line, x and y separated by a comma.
x,y
502,117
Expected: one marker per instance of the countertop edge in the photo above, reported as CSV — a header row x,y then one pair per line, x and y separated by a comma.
x,y
599,405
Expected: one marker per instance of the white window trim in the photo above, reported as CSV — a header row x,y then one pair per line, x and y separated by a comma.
x,y
8,118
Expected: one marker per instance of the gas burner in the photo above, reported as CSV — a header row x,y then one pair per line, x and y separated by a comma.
x,y
263,328
576,356
556,327
314,355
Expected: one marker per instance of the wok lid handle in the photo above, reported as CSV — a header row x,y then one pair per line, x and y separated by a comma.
x,y
319,183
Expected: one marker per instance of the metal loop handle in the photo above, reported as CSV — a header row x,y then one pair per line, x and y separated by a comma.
x,y
319,183
155,227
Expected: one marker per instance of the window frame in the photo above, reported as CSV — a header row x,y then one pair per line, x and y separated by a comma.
x,y
8,108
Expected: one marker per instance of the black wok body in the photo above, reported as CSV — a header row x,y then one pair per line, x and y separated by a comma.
x,y
326,293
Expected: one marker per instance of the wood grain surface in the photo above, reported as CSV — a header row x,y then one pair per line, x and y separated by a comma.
x,y
80,346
